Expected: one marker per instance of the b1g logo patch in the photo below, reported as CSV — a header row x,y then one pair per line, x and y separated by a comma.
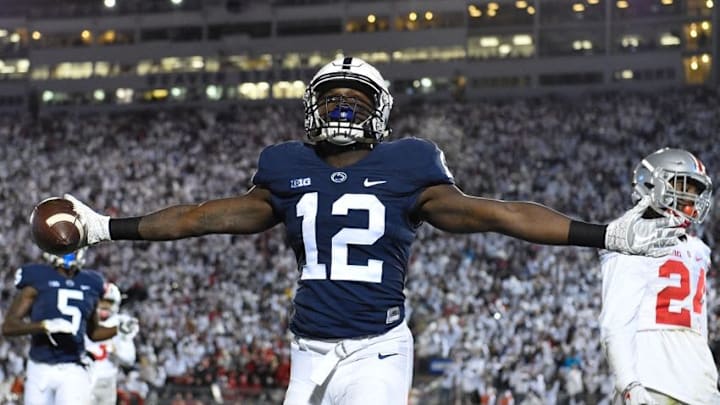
x,y
303,182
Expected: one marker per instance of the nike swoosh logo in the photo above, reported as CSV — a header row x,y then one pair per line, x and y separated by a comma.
x,y
385,356
368,183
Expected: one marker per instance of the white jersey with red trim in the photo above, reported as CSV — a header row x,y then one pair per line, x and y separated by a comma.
x,y
654,322
110,354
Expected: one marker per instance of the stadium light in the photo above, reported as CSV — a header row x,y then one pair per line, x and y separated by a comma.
x,y
371,18
667,2
176,2
521,4
709,4
668,39
578,7
109,3
159,93
412,16
36,35
622,4
428,15
23,65
593,2
489,42
522,39
124,95
213,92
531,10
474,11
99,94
705,58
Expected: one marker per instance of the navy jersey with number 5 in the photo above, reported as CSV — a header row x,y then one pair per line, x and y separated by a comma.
x,y
350,230
73,299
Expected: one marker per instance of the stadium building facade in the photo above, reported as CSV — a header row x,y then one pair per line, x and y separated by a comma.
x,y
97,54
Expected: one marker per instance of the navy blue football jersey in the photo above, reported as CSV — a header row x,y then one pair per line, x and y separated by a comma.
x,y
351,231
73,299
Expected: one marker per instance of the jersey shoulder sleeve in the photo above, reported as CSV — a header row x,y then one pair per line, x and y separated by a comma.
x,y
623,284
701,250
423,161
95,280
277,159
30,275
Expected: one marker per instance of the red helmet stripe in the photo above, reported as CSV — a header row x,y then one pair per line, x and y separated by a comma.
x,y
699,165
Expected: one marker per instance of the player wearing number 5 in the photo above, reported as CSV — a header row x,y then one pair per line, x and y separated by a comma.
x,y
351,205
654,316
60,300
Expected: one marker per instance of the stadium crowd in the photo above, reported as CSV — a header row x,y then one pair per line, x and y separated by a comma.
x,y
492,316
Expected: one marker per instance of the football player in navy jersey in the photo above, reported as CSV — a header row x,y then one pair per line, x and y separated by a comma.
x,y
351,205
60,300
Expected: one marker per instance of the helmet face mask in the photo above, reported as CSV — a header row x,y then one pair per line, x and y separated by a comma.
x,y
71,261
676,183
344,120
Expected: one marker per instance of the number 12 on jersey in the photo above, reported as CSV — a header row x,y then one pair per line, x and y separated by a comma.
x,y
307,208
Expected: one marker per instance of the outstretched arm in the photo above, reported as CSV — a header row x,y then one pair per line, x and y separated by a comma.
x,y
249,213
447,208
246,214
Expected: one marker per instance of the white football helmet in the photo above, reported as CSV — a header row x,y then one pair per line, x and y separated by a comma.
x,y
111,294
348,122
75,260
664,175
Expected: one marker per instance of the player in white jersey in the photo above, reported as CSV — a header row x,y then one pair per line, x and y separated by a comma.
x,y
654,316
110,354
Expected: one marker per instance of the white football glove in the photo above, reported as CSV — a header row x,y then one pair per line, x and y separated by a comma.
x,y
636,394
128,326
97,227
632,234
57,325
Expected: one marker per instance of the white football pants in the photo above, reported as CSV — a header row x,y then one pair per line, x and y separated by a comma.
x,y
57,384
104,391
375,370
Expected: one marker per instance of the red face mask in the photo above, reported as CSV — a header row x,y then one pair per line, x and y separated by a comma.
x,y
104,314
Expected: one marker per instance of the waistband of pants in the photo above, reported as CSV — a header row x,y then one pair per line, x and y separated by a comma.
x,y
334,350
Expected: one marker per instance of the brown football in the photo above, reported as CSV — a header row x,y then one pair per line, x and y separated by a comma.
x,y
56,227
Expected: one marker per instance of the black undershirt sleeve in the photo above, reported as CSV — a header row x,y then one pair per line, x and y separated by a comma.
x,y
585,234
125,228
